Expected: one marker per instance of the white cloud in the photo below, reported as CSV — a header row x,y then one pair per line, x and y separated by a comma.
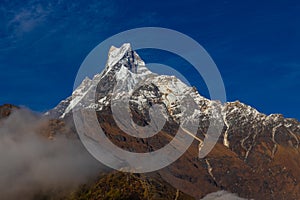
x,y
222,195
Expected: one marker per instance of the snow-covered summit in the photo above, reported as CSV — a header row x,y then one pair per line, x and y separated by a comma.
x,y
116,54
123,64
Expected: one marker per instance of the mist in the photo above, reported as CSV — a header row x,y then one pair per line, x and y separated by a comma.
x,y
33,164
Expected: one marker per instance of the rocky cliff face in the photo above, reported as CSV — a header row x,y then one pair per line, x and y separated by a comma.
x,y
257,156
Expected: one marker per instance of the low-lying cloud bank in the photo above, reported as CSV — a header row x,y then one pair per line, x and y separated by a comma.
x,y
32,164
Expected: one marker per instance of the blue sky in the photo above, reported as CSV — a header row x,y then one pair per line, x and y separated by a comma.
x,y
255,45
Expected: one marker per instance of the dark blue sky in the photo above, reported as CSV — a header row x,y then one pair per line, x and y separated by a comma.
x,y
255,44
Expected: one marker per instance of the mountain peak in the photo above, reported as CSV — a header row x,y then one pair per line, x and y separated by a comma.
x,y
116,54
256,145
124,57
